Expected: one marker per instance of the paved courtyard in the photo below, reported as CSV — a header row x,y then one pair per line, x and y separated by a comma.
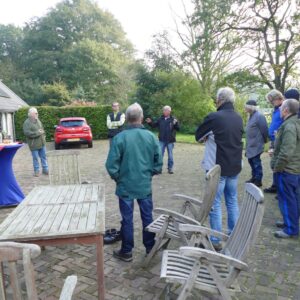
x,y
274,264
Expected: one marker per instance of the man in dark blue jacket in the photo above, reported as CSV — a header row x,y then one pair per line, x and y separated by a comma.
x,y
227,127
167,126
275,98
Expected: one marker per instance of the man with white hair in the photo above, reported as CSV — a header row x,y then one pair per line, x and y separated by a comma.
x,y
285,164
167,126
275,98
133,159
227,127
36,140
256,137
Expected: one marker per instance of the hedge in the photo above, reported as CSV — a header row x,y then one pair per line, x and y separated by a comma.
x,y
49,116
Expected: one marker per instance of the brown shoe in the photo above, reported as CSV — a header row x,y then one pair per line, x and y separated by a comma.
x,y
45,172
36,174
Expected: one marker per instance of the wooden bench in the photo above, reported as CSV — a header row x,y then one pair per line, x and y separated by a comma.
x,y
10,253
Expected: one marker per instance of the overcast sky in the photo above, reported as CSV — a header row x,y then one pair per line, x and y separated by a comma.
x,y
140,18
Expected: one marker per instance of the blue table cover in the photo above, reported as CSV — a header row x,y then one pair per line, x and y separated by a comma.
x,y
10,191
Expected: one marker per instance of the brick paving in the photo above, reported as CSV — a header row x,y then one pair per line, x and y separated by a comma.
x,y
274,264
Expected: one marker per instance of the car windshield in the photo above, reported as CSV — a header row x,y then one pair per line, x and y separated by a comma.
x,y
72,123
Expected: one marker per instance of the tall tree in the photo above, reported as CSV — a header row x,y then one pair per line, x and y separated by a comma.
x,y
272,30
205,49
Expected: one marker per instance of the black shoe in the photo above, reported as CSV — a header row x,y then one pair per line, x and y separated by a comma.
x,y
279,224
111,236
251,180
217,246
170,171
271,190
257,183
122,256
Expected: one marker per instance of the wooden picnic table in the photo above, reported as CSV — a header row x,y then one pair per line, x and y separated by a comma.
x,y
61,214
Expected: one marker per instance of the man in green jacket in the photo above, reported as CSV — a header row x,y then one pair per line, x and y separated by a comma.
x,y
35,134
285,164
134,157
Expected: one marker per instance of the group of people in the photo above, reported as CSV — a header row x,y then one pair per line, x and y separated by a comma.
x,y
136,155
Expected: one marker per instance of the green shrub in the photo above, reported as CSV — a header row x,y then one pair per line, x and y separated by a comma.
x,y
49,116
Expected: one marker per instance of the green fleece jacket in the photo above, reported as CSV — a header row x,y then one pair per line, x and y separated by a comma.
x,y
35,138
286,156
134,157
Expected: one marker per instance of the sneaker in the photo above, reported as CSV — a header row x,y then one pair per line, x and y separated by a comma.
x,y
170,171
271,190
36,174
46,172
282,235
122,256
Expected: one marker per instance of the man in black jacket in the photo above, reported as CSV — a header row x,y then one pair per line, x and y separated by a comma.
x,y
167,126
227,127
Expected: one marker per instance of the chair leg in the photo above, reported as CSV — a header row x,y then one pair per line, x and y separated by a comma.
x,y
158,243
167,291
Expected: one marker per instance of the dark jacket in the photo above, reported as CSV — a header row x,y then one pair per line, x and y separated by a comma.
x,y
256,134
166,129
227,127
286,156
134,157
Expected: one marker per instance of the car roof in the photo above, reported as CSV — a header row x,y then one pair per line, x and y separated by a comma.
x,y
72,119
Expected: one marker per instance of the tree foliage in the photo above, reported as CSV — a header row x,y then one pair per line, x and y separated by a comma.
x,y
272,30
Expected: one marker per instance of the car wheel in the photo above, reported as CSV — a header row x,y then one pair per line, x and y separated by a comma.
x,y
57,146
90,145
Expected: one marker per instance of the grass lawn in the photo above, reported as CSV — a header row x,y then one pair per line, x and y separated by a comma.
x,y
185,138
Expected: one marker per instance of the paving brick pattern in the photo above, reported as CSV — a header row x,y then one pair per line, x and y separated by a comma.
x,y
274,264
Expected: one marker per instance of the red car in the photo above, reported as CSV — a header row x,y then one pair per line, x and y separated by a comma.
x,y
73,131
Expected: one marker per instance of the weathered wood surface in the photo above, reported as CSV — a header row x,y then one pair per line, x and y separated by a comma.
x,y
10,253
57,211
213,272
64,167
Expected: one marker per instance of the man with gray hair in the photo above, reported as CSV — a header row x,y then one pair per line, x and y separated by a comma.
x,y
256,137
167,126
134,157
227,128
285,164
275,98
36,140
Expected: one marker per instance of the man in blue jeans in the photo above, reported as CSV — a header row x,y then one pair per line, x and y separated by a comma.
x,y
134,157
227,129
36,140
167,126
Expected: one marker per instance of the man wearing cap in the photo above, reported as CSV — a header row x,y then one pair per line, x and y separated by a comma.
x,y
256,137
275,98
167,126
293,93
115,121
285,164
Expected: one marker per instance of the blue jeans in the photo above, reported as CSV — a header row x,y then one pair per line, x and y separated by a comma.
x,y
256,167
36,154
228,186
288,200
169,147
126,209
